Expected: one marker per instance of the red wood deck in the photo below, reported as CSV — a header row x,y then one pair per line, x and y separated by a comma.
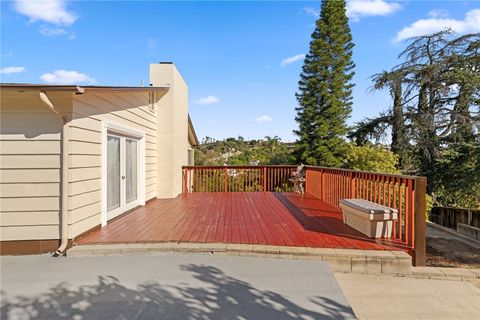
x,y
284,219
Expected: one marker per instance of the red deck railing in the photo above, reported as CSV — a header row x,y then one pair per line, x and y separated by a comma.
x,y
237,178
404,193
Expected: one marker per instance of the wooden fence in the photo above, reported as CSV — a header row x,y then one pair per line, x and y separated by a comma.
x,y
404,193
449,217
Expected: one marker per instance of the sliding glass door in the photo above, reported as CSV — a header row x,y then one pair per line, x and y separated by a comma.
x,y
122,174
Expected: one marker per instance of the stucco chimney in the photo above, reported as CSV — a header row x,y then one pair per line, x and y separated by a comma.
x,y
172,129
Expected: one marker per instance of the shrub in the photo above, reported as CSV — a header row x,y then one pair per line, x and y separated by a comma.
x,y
374,158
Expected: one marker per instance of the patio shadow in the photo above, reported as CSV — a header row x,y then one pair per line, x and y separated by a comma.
x,y
217,296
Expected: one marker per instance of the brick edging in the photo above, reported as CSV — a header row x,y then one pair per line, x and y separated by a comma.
x,y
340,260
439,273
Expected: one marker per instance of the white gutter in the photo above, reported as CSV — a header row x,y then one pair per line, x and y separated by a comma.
x,y
64,151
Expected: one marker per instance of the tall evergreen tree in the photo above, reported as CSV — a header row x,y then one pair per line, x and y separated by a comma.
x,y
325,89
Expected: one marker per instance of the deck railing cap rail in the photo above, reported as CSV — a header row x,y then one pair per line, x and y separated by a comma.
x,y
367,172
307,167
239,167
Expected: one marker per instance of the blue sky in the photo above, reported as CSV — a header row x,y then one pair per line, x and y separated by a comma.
x,y
241,60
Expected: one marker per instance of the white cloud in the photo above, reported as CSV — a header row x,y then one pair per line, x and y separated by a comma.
x,y
263,118
363,8
471,23
207,100
12,70
312,11
289,60
51,32
51,11
67,77
438,13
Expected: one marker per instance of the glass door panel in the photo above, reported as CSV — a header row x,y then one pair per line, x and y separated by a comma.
x,y
131,163
113,173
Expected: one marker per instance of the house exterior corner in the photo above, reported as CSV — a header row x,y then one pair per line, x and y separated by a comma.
x,y
122,146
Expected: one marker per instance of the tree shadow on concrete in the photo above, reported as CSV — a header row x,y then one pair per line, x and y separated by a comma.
x,y
218,296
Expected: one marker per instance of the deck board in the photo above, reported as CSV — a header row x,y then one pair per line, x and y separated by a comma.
x,y
238,217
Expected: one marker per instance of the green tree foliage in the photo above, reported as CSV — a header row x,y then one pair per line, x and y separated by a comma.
x,y
231,151
393,81
457,175
435,115
374,158
325,89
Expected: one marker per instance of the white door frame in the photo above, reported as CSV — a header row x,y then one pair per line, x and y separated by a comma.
x,y
128,132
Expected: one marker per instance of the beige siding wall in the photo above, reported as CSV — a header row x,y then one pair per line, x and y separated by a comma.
x,y
30,165
129,109
31,155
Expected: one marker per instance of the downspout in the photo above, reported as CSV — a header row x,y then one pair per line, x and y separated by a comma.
x,y
65,151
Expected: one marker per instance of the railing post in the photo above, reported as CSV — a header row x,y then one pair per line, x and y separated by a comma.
x,y
184,187
419,220
264,179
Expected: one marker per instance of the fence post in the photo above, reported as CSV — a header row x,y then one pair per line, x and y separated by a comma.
x,y
419,220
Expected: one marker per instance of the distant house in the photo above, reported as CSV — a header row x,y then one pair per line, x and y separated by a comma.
x,y
74,157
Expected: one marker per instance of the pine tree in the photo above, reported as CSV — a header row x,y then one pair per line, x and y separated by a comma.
x,y
325,89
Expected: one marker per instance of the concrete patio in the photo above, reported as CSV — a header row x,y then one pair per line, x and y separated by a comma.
x,y
169,287
183,286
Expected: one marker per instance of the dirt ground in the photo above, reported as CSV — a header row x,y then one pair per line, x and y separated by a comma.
x,y
451,253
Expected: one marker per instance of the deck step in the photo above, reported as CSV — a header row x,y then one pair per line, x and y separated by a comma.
x,y
340,260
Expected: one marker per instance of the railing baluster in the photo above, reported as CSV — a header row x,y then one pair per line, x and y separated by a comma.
x,y
196,179
274,179
200,170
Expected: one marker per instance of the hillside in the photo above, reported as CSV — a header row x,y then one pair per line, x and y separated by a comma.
x,y
238,151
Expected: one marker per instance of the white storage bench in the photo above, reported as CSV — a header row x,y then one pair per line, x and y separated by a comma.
x,y
371,219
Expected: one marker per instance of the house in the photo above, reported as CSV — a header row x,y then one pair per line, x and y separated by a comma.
x,y
72,158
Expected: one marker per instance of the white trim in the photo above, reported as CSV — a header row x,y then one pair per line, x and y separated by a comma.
x,y
142,175
123,130
103,216
109,127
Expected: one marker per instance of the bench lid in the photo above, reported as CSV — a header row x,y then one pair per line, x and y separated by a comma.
x,y
367,206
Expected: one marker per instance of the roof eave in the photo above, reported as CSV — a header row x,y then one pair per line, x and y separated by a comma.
x,y
77,89
193,133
